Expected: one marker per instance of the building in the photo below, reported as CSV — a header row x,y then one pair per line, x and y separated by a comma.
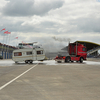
x,y
92,48
6,51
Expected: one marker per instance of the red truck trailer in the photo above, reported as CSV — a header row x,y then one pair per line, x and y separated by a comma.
x,y
77,52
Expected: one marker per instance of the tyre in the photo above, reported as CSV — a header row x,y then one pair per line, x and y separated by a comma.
x,y
31,61
26,61
81,60
16,62
67,59
58,61
72,61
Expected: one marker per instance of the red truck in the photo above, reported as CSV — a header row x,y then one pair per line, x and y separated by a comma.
x,y
77,52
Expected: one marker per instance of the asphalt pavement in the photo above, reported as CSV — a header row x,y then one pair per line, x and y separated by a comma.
x,y
49,80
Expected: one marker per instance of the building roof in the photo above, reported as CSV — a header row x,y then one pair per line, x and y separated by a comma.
x,y
89,45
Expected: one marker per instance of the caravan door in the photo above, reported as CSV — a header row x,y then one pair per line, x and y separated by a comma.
x,y
40,54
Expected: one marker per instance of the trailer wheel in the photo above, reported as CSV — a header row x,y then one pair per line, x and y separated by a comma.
x,y
26,61
16,62
31,61
67,59
81,60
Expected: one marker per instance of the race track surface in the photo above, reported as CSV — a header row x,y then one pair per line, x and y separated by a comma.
x,y
49,80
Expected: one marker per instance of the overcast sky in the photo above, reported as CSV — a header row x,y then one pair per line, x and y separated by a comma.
x,y
47,21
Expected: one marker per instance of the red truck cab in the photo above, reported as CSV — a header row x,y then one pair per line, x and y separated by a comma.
x,y
77,52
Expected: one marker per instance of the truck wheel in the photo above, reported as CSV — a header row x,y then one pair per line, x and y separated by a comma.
x,y
58,61
67,59
72,61
81,60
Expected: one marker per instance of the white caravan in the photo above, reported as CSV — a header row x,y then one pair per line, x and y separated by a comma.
x,y
28,55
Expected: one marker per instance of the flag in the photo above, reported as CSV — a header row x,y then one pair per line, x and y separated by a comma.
x,y
9,33
16,38
6,32
2,29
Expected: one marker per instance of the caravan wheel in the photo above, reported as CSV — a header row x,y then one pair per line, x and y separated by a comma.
x,y
31,61
26,61
16,62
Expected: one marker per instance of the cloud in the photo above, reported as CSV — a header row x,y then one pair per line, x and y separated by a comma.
x,y
40,20
86,25
30,7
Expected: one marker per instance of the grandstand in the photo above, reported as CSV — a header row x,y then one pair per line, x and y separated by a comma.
x,y
92,48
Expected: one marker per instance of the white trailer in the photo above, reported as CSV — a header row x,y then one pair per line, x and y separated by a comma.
x,y
28,55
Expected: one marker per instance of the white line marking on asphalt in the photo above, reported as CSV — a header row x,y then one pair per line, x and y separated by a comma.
x,y
17,77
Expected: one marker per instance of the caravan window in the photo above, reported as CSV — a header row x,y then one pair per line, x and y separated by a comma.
x,y
40,52
29,53
17,53
21,45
